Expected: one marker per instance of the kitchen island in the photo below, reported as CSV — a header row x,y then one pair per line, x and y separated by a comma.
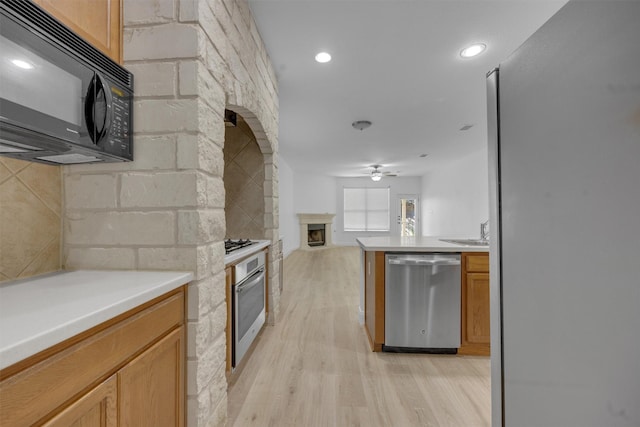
x,y
474,287
414,244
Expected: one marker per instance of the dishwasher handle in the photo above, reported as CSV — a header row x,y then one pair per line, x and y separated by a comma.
x,y
417,261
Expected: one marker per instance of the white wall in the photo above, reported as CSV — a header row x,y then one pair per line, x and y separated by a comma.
x,y
455,197
306,193
289,232
397,185
313,194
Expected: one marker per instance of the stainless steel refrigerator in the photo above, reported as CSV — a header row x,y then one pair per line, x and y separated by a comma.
x,y
564,144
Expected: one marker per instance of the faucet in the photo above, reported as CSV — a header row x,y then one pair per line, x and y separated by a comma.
x,y
484,230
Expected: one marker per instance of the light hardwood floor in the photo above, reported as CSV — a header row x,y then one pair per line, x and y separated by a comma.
x,y
315,368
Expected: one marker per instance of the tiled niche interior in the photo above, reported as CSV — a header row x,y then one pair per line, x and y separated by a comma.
x,y
30,210
243,183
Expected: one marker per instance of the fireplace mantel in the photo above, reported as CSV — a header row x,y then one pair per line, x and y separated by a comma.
x,y
325,219
307,218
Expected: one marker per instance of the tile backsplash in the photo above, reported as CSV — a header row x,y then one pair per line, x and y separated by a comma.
x,y
30,211
243,183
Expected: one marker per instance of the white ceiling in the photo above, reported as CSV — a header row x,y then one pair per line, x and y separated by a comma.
x,y
395,63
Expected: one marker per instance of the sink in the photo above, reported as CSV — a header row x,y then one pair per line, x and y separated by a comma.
x,y
467,242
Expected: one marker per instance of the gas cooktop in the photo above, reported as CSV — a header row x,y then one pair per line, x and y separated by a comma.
x,y
234,245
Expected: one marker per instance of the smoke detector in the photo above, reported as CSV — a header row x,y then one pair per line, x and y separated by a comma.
x,y
361,124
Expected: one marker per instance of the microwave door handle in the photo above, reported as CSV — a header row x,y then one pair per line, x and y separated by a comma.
x,y
89,114
97,86
256,278
104,89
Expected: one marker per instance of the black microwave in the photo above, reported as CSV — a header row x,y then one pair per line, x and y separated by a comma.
x,y
61,100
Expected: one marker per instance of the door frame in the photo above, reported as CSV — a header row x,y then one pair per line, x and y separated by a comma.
x,y
395,213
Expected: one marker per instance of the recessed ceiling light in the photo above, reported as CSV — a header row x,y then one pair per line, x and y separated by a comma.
x,y
466,127
423,155
22,64
473,50
323,57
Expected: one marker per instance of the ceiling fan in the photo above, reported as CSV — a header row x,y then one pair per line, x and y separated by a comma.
x,y
377,174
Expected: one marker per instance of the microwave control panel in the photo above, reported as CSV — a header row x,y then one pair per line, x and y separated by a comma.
x,y
118,141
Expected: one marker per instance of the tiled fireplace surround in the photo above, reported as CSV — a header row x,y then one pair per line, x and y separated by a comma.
x,y
166,210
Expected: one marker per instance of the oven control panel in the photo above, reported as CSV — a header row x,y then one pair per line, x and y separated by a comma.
x,y
247,267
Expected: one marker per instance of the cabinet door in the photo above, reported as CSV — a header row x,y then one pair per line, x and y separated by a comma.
x,y
152,385
374,298
477,310
97,408
97,21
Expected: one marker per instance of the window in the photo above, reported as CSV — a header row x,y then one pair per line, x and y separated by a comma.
x,y
366,209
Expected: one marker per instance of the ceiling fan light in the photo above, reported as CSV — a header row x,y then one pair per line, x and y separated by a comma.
x,y
376,175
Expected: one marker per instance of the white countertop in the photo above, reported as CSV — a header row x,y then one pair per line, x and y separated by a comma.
x,y
246,251
38,313
414,244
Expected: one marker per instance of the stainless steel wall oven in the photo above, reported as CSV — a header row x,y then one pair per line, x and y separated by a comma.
x,y
249,304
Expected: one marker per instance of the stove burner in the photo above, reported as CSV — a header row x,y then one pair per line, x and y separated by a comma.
x,y
233,245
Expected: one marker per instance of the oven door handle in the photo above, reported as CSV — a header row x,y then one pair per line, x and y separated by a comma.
x,y
251,282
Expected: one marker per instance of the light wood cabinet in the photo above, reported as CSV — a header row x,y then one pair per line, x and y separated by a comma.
x,y
475,309
97,408
374,270
99,22
152,385
128,371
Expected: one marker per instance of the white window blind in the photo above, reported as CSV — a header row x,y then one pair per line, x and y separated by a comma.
x,y
366,209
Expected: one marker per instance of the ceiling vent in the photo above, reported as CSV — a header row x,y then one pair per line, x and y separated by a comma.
x,y
361,124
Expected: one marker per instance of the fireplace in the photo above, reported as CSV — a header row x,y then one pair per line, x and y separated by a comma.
x,y
315,234
315,230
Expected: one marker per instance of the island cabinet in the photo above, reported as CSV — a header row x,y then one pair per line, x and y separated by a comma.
x,y
127,371
475,325
374,270
97,21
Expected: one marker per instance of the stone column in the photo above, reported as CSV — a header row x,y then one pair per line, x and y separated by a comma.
x,y
165,210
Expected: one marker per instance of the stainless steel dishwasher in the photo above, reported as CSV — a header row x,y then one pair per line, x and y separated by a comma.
x,y
422,302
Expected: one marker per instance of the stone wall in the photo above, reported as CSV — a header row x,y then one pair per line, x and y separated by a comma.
x,y
191,60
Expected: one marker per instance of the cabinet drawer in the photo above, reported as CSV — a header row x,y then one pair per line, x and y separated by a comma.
x,y
35,392
477,263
